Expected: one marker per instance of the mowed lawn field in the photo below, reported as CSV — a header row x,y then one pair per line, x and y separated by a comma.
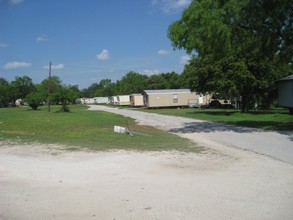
x,y
276,119
81,128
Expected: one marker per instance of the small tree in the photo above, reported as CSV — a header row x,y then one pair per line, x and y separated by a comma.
x,y
63,96
34,99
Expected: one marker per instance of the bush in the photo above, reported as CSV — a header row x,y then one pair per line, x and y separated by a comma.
x,y
34,100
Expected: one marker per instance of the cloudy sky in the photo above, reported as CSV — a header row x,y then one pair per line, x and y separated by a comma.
x,y
88,40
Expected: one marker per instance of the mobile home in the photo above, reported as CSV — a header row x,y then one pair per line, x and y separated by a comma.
x,y
136,100
120,100
285,93
172,98
86,101
101,100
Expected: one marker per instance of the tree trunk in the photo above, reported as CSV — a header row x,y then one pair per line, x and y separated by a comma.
x,y
245,103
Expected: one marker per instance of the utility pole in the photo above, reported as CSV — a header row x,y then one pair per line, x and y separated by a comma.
x,y
49,88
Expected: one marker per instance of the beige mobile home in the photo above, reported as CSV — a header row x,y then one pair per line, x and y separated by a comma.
x,y
169,98
285,93
136,100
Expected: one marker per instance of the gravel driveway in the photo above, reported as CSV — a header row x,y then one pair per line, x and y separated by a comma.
x,y
278,145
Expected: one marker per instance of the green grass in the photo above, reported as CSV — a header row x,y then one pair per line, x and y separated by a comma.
x,y
276,119
84,129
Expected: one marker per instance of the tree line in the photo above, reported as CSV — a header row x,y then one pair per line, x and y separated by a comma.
x,y
37,94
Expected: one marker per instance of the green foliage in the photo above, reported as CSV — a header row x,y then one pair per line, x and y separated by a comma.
x,y
55,84
63,96
157,82
34,99
206,28
241,46
103,89
272,21
4,92
132,83
22,86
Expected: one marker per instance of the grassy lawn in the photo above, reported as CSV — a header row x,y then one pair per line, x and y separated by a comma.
x,y
277,119
84,129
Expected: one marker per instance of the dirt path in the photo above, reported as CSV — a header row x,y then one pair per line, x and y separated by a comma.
x,y
46,182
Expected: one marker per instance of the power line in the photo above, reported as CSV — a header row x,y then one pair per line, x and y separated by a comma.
x,y
98,68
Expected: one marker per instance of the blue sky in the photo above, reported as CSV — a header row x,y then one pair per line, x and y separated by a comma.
x,y
88,40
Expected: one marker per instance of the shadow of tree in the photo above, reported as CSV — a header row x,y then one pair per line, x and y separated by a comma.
x,y
207,127
194,127
267,125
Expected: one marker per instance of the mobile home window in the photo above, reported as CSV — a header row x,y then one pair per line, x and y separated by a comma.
x,y
175,98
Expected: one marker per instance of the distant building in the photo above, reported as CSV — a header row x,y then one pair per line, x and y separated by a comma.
x,y
285,93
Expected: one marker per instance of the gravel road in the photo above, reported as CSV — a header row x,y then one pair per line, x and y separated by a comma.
x,y
278,145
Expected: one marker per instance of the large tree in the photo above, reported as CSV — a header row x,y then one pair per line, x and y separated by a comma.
x,y
240,47
131,83
21,87
5,89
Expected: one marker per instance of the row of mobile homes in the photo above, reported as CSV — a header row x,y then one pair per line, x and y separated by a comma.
x,y
172,98
154,99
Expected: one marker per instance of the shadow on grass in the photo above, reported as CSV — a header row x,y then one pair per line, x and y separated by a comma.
x,y
239,127
215,113
267,125
223,112
207,127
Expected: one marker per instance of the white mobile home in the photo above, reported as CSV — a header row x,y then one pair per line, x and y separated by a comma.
x,y
114,100
123,99
101,100
86,101
120,100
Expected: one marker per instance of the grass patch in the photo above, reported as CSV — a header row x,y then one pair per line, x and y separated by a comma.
x,y
276,119
85,129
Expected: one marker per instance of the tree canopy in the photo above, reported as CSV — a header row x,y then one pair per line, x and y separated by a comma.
x,y
239,47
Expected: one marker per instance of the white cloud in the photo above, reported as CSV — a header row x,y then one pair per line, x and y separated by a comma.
x,y
55,67
16,65
170,6
104,55
2,45
41,38
184,59
16,2
150,72
163,52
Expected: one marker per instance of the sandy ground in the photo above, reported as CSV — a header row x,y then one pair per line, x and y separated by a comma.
x,y
46,182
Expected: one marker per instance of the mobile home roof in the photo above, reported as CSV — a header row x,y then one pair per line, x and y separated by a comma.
x,y
286,78
166,91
